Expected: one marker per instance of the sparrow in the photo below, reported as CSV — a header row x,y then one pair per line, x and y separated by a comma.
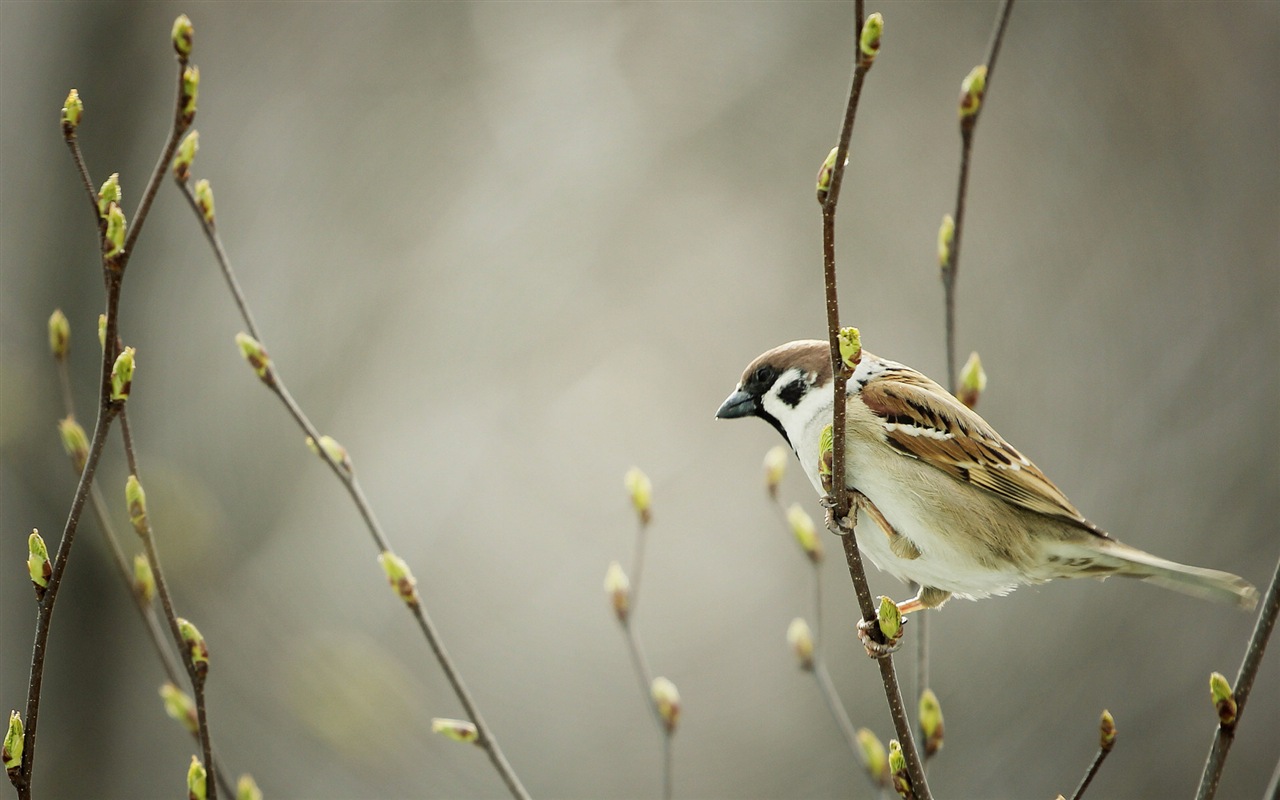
x,y
952,505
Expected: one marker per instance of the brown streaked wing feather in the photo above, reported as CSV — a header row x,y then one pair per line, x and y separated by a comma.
x,y
963,445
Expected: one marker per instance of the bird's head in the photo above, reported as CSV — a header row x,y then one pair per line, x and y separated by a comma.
x,y
784,387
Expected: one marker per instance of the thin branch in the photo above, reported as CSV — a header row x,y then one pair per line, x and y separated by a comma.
x,y
1103,752
1224,736
485,738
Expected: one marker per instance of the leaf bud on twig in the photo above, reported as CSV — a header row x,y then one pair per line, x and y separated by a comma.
x,y
946,235
204,200
197,781
775,466
972,88
247,788
973,381
874,757
641,490
136,501
256,355
190,91
890,619
667,701
826,457
898,771
13,742
800,637
74,442
806,536
1224,700
825,173
458,730
72,109
1106,732
931,722
38,563
197,647
179,706
618,587
399,576
122,374
59,334
102,331
114,236
869,41
183,36
185,155
850,347
144,580
109,193
336,452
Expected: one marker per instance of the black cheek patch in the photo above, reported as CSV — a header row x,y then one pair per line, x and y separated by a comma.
x,y
792,392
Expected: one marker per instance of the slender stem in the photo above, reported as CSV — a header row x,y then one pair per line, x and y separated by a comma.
x,y
1273,786
832,698
1223,737
485,738
78,159
1103,752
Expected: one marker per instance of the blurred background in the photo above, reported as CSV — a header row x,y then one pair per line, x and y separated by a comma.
x,y
503,252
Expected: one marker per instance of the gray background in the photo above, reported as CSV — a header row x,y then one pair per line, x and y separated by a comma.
x,y
505,251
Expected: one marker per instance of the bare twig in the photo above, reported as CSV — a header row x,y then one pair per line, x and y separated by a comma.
x,y
841,501
485,738
1106,742
1225,735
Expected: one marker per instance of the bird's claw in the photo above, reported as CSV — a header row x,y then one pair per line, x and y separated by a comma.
x,y
869,633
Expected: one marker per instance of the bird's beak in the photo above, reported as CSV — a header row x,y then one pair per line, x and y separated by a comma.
x,y
738,404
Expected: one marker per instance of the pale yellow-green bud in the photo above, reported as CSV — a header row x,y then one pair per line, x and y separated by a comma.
x,y
1106,731
399,576
850,340
641,490
336,452
59,334
931,722
667,700
826,457
869,41
72,109
458,730
190,91
109,193
873,756
806,536
898,770
179,707
74,442
825,173
973,381
122,374
1224,700
38,563
890,619
775,466
197,781
800,637
256,355
183,36
946,235
197,648
102,331
185,155
116,226
144,580
972,88
136,501
247,788
618,587
204,200
13,742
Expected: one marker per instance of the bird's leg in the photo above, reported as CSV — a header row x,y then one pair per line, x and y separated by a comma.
x,y
927,597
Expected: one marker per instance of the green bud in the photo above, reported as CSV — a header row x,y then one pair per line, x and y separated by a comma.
x,y
74,442
1224,700
898,770
825,172
38,563
109,193
641,491
336,452
800,637
122,374
890,619
256,355
946,235
618,587
13,742
197,647
144,580
190,90
973,381
179,707
115,230
1107,731
136,500
826,457
972,88
806,536
102,331
873,756
185,155
204,199
399,576
931,722
667,700
775,466
869,41
197,781
850,347
72,109
183,36
59,334
247,788
458,730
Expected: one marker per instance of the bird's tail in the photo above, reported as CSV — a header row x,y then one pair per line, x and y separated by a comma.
x,y
1210,584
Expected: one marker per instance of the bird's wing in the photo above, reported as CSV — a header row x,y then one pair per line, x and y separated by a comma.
x,y
924,421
